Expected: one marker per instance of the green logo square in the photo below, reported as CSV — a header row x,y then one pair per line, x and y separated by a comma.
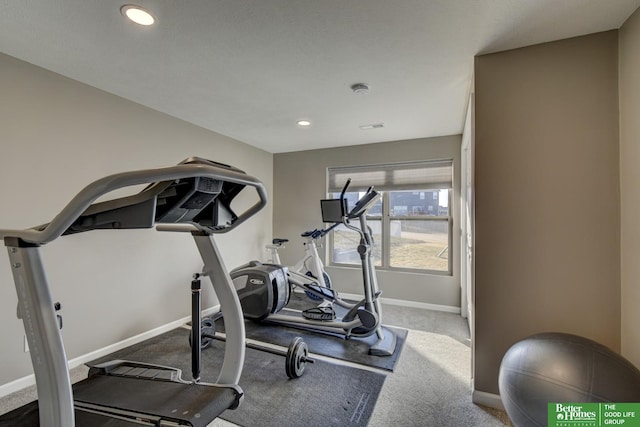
x,y
593,414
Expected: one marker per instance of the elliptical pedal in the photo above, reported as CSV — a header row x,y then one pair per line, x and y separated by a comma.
x,y
319,313
321,291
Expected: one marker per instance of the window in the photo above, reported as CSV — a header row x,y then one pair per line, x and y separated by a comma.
x,y
411,224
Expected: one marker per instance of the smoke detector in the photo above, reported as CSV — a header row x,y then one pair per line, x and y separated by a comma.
x,y
360,88
372,126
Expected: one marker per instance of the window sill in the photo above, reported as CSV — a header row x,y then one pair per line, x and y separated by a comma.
x,y
396,270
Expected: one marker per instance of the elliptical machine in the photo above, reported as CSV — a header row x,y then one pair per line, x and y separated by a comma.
x,y
264,289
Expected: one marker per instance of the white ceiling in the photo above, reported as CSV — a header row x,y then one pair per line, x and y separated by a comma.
x,y
249,69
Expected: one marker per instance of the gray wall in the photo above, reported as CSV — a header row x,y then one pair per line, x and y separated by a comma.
x,y
629,180
300,182
547,196
56,136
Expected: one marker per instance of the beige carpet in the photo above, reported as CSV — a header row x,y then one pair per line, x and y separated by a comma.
x,y
430,385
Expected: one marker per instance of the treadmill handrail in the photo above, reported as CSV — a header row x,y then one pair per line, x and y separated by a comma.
x,y
89,194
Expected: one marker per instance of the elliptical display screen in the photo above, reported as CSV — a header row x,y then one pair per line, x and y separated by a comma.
x,y
333,210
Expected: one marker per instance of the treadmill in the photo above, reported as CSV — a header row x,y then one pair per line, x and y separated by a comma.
x,y
194,196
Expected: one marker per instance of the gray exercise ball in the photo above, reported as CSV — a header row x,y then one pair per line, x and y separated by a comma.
x,y
561,368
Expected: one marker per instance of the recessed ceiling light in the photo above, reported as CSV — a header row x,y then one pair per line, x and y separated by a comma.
x,y
137,14
303,123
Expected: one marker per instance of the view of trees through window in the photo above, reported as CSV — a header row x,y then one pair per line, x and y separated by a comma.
x,y
411,230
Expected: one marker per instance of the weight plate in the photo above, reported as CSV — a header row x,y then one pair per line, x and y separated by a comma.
x,y
207,330
206,336
296,359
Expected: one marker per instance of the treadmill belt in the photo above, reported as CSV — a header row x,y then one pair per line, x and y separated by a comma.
x,y
195,404
134,402
28,416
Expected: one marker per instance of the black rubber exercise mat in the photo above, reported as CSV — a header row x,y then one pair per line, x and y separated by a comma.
x,y
326,394
355,350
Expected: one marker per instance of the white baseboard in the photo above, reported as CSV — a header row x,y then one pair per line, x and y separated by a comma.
x,y
422,305
487,399
404,303
30,380
17,385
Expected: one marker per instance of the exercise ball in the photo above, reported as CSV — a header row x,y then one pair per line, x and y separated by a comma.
x,y
562,368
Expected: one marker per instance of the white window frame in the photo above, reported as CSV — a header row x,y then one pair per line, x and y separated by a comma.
x,y
428,183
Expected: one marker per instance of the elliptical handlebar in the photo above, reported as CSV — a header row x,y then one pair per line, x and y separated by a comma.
x,y
191,168
365,202
317,234
344,189
328,229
